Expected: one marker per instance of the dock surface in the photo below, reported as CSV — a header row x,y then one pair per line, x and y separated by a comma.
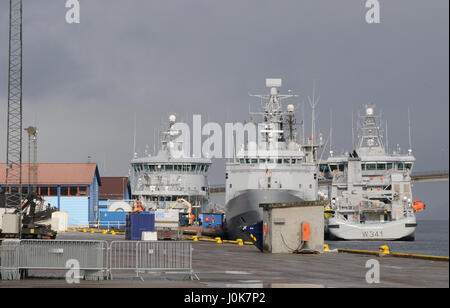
x,y
230,265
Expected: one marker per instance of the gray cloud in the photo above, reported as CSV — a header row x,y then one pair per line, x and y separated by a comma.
x,y
83,83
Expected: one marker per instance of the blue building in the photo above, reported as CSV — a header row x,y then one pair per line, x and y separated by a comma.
x,y
71,187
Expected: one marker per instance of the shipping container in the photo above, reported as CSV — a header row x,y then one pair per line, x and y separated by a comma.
x,y
136,223
113,220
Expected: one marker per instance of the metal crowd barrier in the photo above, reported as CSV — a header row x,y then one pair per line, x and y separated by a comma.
x,y
96,258
151,256
19,256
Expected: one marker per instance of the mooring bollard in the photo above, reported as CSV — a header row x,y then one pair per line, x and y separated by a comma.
x,y
219,240
325,247
240,242
384,249
195,238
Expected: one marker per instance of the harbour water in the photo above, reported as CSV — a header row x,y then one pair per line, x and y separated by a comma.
x,y
432,238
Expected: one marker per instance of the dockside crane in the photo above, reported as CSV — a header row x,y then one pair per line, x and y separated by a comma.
x,y
14,125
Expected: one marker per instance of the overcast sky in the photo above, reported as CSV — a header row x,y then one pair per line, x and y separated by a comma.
x,y
84,82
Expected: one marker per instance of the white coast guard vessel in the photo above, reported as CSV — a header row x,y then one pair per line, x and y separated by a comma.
x,y
371,189
159,181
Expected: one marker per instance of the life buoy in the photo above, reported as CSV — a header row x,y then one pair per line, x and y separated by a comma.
x,y
213,219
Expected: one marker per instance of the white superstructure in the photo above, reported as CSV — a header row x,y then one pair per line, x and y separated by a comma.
x,y
158,181
371,189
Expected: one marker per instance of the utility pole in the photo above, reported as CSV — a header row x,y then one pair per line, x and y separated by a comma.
x,y
14,124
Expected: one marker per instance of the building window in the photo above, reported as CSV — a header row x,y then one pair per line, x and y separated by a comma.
x,y
53,191
64,191
82,191
73,191
43,191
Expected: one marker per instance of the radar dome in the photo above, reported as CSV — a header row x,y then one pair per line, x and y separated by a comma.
x,y
172,118
369,111
290,108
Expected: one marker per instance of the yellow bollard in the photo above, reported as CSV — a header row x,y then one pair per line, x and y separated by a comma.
x,y
219,240
92,231
74,229
240,242
195,238
325,247
384,249
84,229
113,232
104,231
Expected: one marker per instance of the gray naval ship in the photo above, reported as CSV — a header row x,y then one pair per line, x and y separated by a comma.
x,y
370,195
275,169
159,181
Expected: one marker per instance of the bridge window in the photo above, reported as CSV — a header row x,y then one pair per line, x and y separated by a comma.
x,y
279,161
241,160
254,161
333,167
389,166
262,161
294,161
341,167
371,166
400,166
408,166
169,167
206,168
287,161
381,166
363,167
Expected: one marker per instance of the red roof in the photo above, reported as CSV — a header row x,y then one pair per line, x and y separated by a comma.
x,y
57,173
113,187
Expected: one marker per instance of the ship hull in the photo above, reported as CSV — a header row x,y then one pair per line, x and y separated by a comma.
x,y
244,209
402,229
